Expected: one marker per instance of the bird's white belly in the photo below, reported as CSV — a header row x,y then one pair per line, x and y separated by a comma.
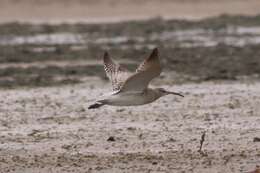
x,y
128,99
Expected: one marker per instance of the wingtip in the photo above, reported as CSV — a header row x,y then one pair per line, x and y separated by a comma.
x,y
155,52
106,56
154,55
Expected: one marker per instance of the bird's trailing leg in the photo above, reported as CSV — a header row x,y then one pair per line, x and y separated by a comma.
x,y
96,105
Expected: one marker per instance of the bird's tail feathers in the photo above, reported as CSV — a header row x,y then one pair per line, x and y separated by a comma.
x,y
96,105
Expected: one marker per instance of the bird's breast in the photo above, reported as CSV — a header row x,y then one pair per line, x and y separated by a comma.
x,y
129,99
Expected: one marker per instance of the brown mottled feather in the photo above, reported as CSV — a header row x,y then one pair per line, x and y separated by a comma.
x,y
151,62
147,70
116,73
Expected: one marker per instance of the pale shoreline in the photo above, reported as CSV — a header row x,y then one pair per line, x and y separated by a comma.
x,y
103,11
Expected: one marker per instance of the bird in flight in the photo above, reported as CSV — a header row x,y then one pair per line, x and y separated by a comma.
x,y
132,89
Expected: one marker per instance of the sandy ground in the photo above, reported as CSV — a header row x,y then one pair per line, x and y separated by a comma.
x,y
51,130
115,10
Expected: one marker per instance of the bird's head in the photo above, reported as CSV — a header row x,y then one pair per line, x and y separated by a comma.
x,y
163,92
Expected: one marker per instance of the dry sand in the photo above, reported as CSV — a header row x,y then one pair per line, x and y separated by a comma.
x,y
51,130
115,10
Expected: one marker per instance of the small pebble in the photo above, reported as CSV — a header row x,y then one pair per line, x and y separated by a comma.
x,y
111,139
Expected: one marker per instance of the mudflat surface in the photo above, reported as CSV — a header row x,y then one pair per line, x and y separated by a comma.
x,y
51,130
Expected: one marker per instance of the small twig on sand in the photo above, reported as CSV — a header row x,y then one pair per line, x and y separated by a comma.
x,y
202,141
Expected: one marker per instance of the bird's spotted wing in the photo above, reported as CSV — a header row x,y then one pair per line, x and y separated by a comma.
x,y
116,73
147,70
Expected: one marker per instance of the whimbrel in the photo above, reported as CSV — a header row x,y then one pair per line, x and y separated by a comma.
x,y
132,89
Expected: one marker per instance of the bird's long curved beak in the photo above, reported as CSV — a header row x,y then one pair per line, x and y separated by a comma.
x,y
174,93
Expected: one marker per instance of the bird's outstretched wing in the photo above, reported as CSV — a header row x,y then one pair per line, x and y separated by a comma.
x,y
147,70
116,73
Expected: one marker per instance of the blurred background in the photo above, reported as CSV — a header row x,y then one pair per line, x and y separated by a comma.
x,y
116,10
45,42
